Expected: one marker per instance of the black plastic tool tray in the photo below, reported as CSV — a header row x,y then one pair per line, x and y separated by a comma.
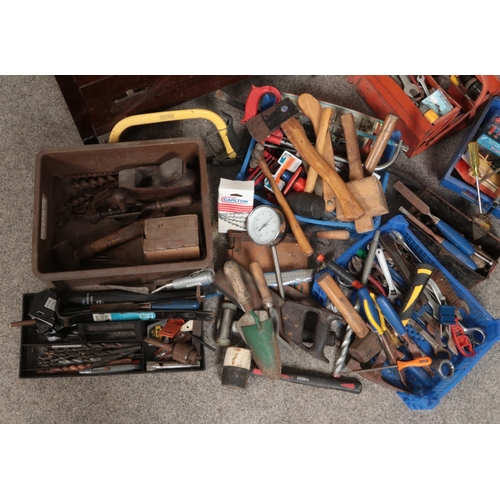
x,y
32,344
439,207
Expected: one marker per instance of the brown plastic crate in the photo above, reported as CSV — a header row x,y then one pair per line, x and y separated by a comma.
x,y
83,160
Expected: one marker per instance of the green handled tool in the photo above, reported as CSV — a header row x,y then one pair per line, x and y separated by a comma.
x,y
256,326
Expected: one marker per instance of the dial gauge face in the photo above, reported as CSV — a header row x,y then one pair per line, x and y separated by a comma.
x,y
264,225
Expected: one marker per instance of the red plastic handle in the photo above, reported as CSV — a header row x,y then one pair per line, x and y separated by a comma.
x,y
463,343
254,98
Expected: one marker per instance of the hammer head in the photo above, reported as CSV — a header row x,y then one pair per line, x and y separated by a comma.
x,y
263,124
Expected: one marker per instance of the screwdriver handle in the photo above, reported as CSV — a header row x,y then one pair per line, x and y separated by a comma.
x,y
473,148
454,250
422,274
188,304
423,361
390,314
455,237
344,275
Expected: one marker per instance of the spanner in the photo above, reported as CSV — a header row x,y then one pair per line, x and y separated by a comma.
x,y
409,88
398,238
393,292
439,351
421,80
475,333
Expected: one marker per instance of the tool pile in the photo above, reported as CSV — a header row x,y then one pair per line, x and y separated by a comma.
x,y
390,309
393,309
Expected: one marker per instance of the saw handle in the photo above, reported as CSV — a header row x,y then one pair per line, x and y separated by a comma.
x,y
235,280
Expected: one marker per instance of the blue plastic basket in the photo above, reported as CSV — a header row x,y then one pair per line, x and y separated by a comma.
x,y
428,391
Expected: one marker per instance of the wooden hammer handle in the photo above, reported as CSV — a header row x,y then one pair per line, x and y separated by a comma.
x,y
260,280
292,221
340,301
235,279
352,146
321,135
380,143
295,132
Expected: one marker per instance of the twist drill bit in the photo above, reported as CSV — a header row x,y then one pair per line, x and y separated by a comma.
x,y
340,363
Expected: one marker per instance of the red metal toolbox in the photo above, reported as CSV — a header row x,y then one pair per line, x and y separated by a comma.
x,y
383,95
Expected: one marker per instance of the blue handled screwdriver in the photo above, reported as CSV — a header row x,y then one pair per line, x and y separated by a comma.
x,y
445,229
440,240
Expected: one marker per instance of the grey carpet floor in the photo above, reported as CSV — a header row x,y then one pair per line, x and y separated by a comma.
x,y
33,115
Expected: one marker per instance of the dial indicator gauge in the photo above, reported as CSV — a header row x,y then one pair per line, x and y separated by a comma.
x,y
266,225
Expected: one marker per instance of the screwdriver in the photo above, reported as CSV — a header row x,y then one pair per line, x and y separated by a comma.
x,y
445,229
444,368
473,148
454,250
401,365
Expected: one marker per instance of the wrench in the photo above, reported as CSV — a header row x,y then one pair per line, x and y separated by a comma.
x,y
476,334
398,238
409,88
439,351
393,292
421,80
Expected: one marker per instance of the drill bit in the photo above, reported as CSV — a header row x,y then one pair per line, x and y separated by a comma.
x,y
344,348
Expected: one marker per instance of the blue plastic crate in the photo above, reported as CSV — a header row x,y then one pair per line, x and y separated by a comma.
x,y
428,390
452,179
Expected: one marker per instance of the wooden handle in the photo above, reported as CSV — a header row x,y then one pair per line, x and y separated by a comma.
x,y
335,234
380,143
311,107
321,136
292,221
340,301
260,280
352,147
323,139
124,234
234,278
295,132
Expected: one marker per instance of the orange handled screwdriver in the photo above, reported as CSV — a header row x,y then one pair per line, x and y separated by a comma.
x,y
443,367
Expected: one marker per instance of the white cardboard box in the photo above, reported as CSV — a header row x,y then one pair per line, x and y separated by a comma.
x,y
234,203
